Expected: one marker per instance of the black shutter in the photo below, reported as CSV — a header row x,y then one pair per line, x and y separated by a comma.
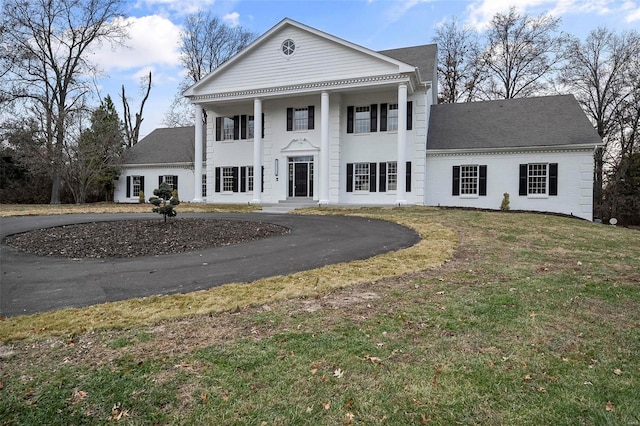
x,y
218,128
142,183
311,117
236,172
408,177
175,182
160,180
522,190
262,180
243,179
409,115
383,119
243,126
455,185
553,179
289,119
349,177
482,182
350,110
383,178
262,136
373,116
373,176
218,179
236,127
128,186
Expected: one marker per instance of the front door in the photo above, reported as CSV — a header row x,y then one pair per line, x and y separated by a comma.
x,y
301,176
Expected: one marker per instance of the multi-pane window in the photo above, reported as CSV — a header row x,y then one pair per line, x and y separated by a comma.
x,y
468,180
300,119
392,176
362,120
249,178
227,129
250,127
135,183
361,177
227,179
204,185
537,179
170,180
392,117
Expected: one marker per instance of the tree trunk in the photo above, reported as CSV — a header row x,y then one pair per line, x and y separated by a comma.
x,y
56,186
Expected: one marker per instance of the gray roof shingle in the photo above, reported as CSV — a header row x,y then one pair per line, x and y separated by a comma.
x,y
423,57
166,145
511,123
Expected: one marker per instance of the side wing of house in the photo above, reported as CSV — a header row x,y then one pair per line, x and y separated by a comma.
x,y
539,151
165,155
302,115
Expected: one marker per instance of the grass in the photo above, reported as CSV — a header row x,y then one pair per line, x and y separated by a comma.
x,y
533,320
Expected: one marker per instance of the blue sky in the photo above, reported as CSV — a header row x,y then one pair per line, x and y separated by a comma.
x,y
375,24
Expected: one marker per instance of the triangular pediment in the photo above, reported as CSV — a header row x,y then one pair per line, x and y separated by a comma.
x,y
294,54
299,145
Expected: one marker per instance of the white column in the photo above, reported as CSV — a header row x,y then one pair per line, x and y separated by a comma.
x,y
257,151
402,144
197,158
324,148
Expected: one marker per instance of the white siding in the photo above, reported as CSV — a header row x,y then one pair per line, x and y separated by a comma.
x,y
315,59
185,182
575,182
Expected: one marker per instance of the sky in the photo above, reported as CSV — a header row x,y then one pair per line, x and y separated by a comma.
x,y
154,28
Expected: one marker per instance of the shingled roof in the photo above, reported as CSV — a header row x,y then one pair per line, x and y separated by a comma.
x,y
168,145
527,122
423,57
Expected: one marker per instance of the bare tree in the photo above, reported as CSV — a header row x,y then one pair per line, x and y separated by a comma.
x,y
459,67
48,68
603,74
207,42
521,54
132,127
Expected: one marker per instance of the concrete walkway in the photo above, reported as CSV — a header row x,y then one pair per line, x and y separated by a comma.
x,y
31,284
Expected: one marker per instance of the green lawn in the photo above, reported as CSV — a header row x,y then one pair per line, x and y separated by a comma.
x,y
533,320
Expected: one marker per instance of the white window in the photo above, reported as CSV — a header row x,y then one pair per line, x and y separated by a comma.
x,y
362,120
361,176
468,180
135,182
537,179
170,180
250,127
227,179
392,176
249,178
300,119
227,129
288,47
392,117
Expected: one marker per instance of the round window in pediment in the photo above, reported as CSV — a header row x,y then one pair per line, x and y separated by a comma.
x,y
288,47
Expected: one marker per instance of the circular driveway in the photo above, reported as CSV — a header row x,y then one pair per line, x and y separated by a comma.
x,y
31,284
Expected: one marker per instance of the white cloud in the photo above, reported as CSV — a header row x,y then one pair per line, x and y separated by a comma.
x,y
480,12
232,19
182,7
154,40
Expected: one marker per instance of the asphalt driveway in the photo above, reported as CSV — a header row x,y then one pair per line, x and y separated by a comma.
x,y
31,284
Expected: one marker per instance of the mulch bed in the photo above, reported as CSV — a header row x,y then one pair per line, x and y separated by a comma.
x,y
132,238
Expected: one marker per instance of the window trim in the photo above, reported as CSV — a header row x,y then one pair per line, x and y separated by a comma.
x,y
551,180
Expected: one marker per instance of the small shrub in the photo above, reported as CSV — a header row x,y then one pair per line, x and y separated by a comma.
x,y
504,206
141,197
164,201
174,194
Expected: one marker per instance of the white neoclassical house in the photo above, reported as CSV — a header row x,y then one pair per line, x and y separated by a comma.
x,y
301,115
